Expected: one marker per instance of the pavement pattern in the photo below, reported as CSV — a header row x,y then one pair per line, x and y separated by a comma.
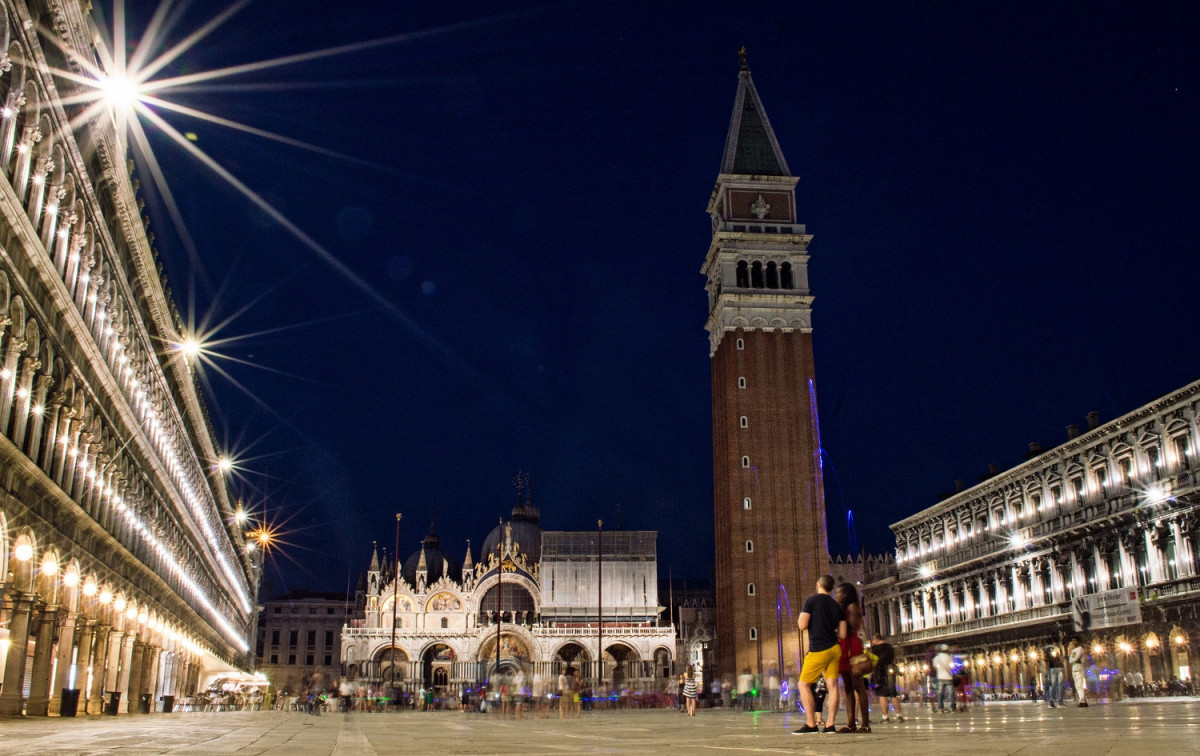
x,y
1153,727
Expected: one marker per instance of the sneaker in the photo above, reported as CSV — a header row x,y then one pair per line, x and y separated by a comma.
x,y
899,717
847,729
865,728
805,730
1083,704
830,729
886,719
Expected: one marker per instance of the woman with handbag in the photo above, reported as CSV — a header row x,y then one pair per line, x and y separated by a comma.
x,y
855,664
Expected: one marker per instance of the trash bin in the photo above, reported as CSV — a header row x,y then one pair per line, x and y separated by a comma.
x,y
144,703
114,701
70,702
168,704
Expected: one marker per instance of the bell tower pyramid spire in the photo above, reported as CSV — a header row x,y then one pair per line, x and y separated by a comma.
x,y
769,502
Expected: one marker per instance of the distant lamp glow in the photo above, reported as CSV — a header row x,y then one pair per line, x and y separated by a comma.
x,y
190,348
240,516
106,596
224,464
23,552
119,605
1180,640
89,588
119,92
1152,642
71,579
1018,540
1125,647
49,566
131,612
1097,649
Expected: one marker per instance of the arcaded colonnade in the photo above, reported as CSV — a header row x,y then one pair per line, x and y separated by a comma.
x,y
998,568
122,568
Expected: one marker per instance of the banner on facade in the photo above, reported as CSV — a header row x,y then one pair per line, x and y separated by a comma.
x,y
1106,609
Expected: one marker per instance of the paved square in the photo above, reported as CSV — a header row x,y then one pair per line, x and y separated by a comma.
x,y
1122,728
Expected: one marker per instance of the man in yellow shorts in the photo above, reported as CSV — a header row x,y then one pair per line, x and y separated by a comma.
x,y
825,622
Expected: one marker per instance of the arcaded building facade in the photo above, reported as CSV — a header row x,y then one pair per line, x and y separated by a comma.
x,y
122,569
769,501
537,595
1110,516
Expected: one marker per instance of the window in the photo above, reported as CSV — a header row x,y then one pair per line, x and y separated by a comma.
x,y
274,658
746,503
745,461
741,344
328,639
329,610
279,610
328,660
749,589
743,279
749,547
312,638
741,383
308,660
291,658
754,633
744,422
274,637
293,636
785,275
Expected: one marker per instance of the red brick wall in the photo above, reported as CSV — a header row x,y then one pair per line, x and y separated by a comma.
x,y
786,521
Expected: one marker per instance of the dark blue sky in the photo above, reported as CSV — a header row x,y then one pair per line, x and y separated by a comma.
x,y
1004,200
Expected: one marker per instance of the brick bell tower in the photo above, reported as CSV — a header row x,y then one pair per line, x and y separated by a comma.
x,y
769,497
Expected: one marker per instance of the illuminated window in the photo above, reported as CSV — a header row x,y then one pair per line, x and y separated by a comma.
x,y
741,383
744,422
754,633
749,589
745,461
746,503
749,547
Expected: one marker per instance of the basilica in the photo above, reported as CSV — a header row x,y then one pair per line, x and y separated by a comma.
x,y
535,601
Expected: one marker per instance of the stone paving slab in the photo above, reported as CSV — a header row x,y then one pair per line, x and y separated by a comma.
x,y
994,730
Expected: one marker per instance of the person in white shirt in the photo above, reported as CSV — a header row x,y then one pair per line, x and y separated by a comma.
x,y
1077,658
943,666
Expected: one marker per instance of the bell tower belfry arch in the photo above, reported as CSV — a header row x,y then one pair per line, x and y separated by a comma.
x,y
769,502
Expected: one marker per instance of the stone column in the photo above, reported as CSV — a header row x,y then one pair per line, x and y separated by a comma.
x,y
114,660
39,685
95,703
150,673
136,670
14,670
85,632
63,657
123,673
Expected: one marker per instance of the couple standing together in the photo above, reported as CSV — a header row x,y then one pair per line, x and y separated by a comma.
x,y
830,626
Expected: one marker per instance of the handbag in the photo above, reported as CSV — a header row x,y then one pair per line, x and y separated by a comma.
x,y
862,664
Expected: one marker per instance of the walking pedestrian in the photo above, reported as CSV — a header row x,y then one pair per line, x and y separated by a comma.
x,y
883,679
691,687
825,623
1054,675
943,667
1077,656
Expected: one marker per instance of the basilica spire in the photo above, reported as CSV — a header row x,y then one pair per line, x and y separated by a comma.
x,y
751,148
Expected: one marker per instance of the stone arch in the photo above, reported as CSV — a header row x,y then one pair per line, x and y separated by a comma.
x,y
48,574
571,651
4,545
4,293
23,543
16,312
619,657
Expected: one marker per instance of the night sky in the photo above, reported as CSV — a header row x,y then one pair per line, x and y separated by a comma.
x,y
1004,197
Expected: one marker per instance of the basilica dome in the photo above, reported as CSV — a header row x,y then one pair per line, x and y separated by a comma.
x,y
526,532
437,562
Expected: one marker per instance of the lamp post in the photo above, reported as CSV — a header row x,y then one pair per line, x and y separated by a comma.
x,y
499,598
395,591
600,604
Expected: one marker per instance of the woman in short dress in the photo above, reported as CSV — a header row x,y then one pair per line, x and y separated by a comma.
x,y
690,687
856,687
